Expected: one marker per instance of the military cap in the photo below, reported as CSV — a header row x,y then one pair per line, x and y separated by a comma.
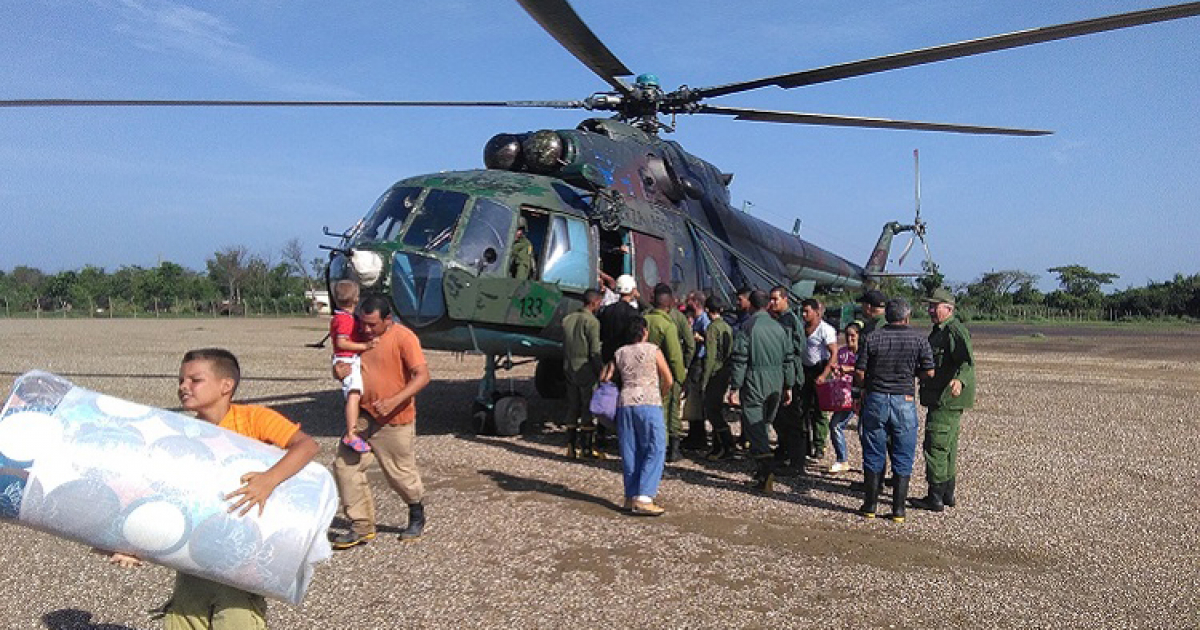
x,y
940,296
873,297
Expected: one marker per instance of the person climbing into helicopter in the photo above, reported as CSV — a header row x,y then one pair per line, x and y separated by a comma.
x,y
522,264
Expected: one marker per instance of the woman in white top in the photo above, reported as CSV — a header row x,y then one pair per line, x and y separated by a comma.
x,y
645,379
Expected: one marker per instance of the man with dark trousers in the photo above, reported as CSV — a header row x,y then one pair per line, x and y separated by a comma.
x,y
761,379
714,379
945,396
790,431
888,361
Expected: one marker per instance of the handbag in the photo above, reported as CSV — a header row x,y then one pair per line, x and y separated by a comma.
x,y
604,404
834,394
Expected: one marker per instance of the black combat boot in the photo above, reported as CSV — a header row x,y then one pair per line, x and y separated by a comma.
x,y
597,450
764,475
722,446
871,489
587,435
673,454
572,443
899,497
948,493
933,500
697,436
416,522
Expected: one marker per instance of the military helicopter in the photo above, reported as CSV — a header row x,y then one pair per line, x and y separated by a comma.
x,y
611,196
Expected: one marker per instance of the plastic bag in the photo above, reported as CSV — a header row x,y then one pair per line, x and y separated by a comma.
x,y
604,404
834,394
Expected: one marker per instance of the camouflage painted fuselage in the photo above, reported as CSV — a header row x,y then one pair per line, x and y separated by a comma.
x,y
443,240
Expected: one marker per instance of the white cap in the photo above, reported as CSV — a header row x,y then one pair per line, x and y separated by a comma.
x,y
626,284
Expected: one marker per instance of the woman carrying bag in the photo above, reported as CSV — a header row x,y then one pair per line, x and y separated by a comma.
x,y
645,379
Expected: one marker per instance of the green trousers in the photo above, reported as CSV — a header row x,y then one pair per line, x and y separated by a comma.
x,y
671,411
757,415
200,604
816,421
941,444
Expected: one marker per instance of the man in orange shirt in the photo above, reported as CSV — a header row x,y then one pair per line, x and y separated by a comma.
x,y
393,372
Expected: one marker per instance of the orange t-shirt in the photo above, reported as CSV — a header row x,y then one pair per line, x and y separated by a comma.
x,y
260,423
385,371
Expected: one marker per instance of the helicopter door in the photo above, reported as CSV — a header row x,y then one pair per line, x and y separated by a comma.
x,y
614,252
568,255
651,263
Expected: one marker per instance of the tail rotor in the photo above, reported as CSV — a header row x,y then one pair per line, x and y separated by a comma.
x,y
918,226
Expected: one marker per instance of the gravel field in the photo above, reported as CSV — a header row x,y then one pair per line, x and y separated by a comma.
x,y
1077,504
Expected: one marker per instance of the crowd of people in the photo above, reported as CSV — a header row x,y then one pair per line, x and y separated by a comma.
x,y
756,365
759,365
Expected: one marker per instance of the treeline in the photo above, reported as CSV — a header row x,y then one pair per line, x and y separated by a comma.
x,y
1012,294
235,281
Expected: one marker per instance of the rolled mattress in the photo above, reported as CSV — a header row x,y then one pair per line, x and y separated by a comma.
x,y
125,477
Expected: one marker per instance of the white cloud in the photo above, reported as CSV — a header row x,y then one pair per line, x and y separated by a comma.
x,y
174,28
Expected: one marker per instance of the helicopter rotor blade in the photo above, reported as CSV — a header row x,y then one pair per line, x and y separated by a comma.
x,y
960,49
66,102
801,118
564,25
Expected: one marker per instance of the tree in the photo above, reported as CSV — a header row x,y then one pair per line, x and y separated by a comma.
x,y
293,256
228,268
1080,287
932,280
1081,281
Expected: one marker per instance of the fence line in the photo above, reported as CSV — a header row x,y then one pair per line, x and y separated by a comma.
x,y
113,307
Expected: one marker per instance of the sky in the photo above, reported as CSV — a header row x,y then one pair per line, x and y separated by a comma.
x,y
1116,188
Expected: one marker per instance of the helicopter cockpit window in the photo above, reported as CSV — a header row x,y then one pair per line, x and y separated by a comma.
x,y
432,228
384,220
568,259
487,228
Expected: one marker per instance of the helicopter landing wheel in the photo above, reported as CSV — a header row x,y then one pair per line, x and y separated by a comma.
x,y
509,414
506,416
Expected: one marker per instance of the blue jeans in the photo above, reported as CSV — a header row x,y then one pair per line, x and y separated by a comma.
x,y
642,436
837,433
884,416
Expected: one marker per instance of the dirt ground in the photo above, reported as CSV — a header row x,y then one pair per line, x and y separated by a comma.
x,y
1077,503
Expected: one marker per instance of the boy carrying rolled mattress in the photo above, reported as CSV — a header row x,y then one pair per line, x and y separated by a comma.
x,y
208,379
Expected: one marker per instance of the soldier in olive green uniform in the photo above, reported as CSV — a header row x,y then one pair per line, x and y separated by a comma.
x,y
522,254
945,396
714,378
761,379
664,333
582,365
687,343
790,423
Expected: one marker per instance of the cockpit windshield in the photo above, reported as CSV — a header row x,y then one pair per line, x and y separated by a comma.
x,y
487,228
432,228
384,220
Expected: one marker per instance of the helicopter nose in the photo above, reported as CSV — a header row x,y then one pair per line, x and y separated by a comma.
x,y
417,289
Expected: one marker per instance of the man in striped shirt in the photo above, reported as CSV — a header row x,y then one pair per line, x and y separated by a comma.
x,y
889,360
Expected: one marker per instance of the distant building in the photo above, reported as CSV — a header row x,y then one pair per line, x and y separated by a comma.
x,y
318,302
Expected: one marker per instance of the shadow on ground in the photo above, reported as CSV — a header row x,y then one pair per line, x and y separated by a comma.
x,y
75,619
